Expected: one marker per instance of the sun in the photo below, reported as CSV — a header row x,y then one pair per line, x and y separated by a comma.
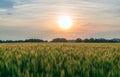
x,y
65,22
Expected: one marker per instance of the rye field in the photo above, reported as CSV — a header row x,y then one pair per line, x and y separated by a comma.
x,y
60,60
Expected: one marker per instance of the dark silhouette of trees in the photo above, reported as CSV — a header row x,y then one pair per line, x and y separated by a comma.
x,y
78,40
9,41
87,40
1,41
59,40
34,40
101,40
95,40
22,41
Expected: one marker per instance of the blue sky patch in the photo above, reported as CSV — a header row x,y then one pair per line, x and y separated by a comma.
x,y
6,4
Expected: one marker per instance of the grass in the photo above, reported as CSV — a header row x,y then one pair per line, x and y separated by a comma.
x,y
60,60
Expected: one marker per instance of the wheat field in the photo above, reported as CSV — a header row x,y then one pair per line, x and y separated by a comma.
x,y
60,60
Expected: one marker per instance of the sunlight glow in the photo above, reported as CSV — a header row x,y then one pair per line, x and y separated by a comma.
x,y
65,22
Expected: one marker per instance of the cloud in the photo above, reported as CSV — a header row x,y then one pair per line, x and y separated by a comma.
x,y
108,34
3,10
41,15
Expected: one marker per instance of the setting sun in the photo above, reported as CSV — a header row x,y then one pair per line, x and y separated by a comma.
x,y
65,22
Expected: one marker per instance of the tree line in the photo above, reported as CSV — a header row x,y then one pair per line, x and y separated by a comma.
x,y
87,40
22,41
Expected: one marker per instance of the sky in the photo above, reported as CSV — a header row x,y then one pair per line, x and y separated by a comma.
x,y
23,19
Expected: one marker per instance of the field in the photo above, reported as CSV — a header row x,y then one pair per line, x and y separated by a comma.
x,y
60,60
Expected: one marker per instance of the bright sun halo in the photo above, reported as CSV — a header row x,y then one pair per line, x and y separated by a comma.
x,y
65,22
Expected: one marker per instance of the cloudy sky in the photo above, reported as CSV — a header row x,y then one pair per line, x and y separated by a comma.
x,y
21,19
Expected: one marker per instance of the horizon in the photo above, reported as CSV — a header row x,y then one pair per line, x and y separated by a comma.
x,y
58,38
47,19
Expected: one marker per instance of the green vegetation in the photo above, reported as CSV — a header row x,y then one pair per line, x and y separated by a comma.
x,y
60,60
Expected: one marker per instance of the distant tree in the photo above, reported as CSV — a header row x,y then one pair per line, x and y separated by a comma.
x,y
9,41
59,40
19,41
114,40
71,40
91,40
86,40
1,41
34,40
78,40
102,40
